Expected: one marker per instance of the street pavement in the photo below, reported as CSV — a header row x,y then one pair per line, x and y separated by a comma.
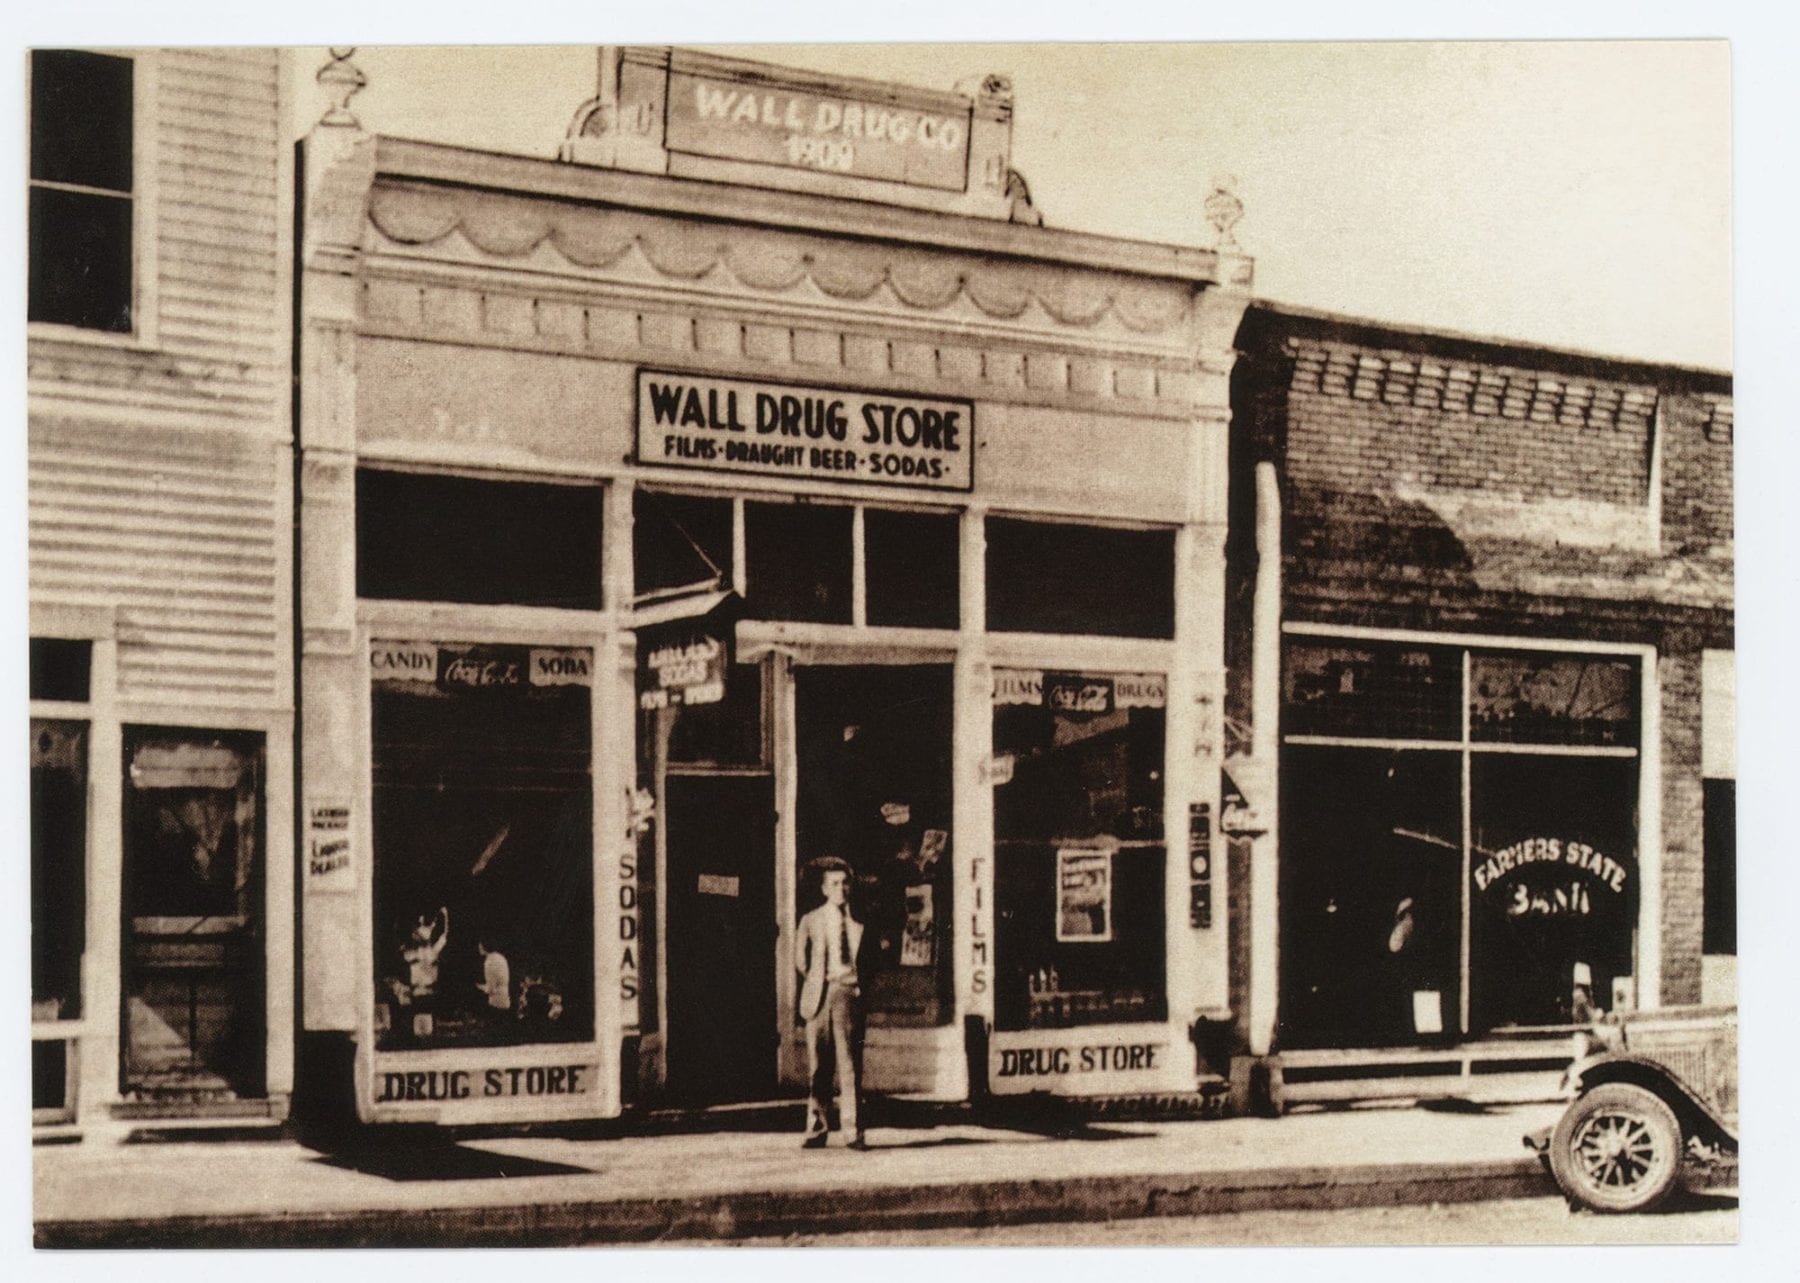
x,y
726,1183
1707,1218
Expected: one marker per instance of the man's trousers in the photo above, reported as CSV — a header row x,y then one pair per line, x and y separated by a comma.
x,y
834,1046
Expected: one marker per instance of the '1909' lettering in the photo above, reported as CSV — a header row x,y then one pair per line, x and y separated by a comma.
x,y
461,1084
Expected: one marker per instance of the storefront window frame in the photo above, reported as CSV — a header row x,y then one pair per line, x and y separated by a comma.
x,y
1646,751
479,624
1110,657
735,575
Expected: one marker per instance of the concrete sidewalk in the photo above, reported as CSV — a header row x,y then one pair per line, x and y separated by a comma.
x,y
521,1190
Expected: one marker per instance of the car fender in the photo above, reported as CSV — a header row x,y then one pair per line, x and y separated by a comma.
x,y
1698,1116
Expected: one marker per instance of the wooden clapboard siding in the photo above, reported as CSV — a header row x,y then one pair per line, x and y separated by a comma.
x,y
157,465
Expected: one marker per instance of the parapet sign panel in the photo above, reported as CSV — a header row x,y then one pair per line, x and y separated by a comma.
x,y
795,129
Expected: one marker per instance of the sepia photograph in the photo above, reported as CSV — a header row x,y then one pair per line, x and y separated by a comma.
x,y
1000,643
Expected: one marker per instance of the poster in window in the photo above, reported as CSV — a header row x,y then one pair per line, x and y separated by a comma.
x,y
918,944
1084,896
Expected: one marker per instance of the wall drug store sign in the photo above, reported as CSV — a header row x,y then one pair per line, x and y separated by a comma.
x,y
815,433
775,124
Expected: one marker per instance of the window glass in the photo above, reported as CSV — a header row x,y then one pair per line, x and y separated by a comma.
x,y
1372,689
59,769
60,668
1085,751
81,260
678,541
910,567
1553,886
1553,699
50,1075
1079,857
191,826
797,560
1371,910
81,119
429,537
1719,923
727,733
483,831
1055,577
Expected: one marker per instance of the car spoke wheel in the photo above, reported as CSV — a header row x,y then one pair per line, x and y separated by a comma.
x,y
1617,1149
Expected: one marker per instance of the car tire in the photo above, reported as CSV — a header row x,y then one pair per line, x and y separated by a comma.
x,y
1617,1148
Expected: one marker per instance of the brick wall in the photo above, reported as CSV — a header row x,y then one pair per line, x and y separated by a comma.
x,y
1375,421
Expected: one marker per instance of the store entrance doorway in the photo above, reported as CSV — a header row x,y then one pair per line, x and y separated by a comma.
x,y
721,931
193,974
873,746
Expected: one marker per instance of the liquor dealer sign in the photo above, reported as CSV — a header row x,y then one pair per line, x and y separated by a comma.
x,y
819,434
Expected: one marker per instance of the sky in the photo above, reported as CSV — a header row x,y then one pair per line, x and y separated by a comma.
x,y
1576,194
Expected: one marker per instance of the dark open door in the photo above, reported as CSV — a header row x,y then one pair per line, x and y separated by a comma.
x,y
721,938
193,960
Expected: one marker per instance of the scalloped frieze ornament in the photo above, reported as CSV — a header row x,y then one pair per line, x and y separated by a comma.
x,y
593,237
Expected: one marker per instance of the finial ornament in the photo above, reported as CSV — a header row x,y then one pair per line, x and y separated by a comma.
x,y
343,80
1223,210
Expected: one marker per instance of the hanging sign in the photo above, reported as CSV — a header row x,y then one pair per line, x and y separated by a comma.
x,y
770,123
800,432
684,661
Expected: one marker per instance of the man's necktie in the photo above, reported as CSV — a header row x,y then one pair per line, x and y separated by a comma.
x,y
843,937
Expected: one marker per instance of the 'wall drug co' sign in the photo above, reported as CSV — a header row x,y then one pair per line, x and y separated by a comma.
x,y
788,430
774,124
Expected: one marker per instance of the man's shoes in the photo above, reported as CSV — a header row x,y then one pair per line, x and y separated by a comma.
x,y
859,1143
814,1142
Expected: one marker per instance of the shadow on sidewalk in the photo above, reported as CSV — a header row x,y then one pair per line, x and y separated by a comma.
x,y
441,1161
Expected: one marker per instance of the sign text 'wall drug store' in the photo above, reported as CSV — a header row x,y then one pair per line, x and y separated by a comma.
x,y
822,434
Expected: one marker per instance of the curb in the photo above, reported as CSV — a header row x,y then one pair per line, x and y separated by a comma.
x,y
823,1210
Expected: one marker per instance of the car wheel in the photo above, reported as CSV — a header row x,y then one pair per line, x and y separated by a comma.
x,y
1617,1149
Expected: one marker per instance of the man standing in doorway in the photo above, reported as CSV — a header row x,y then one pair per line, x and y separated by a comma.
x,y
831,1007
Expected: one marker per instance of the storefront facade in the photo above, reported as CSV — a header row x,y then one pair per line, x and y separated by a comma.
x,y
745,489
1484,582
159,518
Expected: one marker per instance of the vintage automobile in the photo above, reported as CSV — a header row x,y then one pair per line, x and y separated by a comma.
x,y
1655,1104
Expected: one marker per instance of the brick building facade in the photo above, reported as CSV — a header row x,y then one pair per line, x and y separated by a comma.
x,y
1556,525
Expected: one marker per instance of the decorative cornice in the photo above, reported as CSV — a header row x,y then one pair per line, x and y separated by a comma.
x,y
772,261
1468,388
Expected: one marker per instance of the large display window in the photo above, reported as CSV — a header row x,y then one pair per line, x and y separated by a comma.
x,y
483,845
1079,850
1459,839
